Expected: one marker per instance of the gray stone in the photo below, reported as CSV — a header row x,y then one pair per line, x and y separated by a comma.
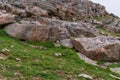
x,y
86,76
98,48
66,43
87,60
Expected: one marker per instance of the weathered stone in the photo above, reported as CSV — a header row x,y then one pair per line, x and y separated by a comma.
x,y
13,10
98,48
86,76
37,11
87,60
65,9
50,30
6,18
31,30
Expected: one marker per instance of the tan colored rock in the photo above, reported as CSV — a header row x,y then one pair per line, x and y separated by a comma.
x,y
6,18
33,31
98,48
37,11
13,10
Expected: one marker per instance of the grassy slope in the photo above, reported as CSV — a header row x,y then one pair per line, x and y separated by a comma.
x,y
42,64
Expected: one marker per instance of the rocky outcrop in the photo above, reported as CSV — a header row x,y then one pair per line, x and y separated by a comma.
x,y
98,48
50,30
77,9
70,10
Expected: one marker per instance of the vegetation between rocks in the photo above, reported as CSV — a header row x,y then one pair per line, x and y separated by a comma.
x,y
21,61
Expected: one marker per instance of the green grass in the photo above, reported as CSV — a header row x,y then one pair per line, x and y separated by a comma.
x,y
101,30
42,64
106,17
117,64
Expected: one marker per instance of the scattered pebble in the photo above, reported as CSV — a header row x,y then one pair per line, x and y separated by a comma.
x,y
12,46
4,50
86,76
2,58
38,47
57,54
18,59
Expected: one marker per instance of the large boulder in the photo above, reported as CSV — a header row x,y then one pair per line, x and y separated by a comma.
x,y
6,18
50,30
98,48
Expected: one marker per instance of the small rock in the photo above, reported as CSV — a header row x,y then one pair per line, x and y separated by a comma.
x,y
4,50
2,58
38,47
11,46
57,54
18,59
85,76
